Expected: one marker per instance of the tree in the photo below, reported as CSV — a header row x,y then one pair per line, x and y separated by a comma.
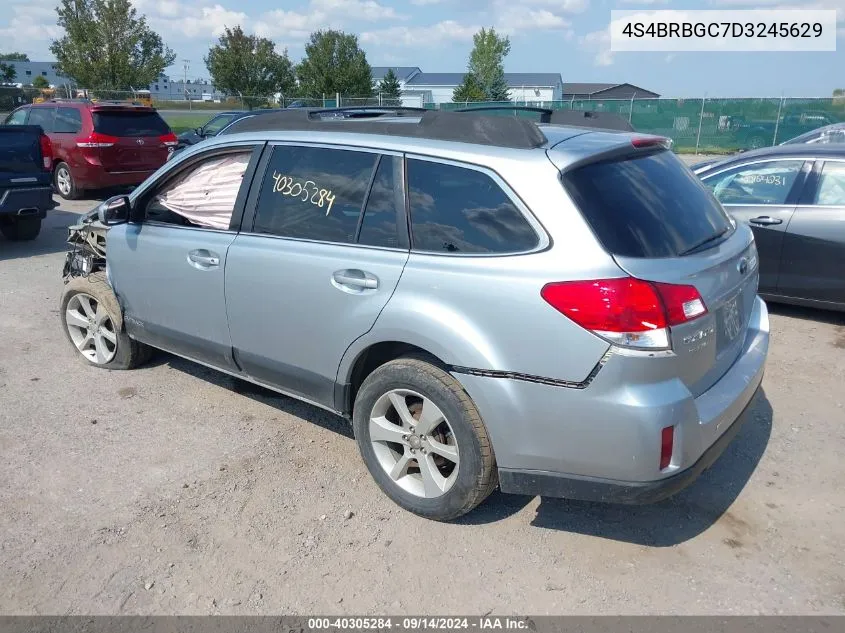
x,y
249,66
470,89
487,63
7,71
389,87
334,63
108,46
839,92
40,82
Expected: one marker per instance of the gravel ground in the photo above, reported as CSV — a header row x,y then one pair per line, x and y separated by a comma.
x,y
174,489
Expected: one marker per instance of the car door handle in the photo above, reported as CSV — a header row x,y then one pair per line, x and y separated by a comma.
x,y
765,220
357,279
203,259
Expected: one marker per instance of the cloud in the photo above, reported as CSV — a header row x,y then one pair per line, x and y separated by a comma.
x,y
648,2
425,3
440,33
599,42
368,10
30,28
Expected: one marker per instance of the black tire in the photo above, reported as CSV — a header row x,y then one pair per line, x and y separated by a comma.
x,y
20,228
71,193
128,353
477,475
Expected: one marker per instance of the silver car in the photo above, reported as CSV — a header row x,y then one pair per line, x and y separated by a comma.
x,y
491,301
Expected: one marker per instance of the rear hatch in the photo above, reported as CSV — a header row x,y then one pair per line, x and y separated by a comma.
x,y
21,161
136,139
662,225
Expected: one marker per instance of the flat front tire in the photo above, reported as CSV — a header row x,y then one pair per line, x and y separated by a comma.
x,y
423,440
93,323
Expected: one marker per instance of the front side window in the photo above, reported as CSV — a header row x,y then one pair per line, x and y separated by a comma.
x,y
461,210
763,183
831,189
18,117
204,196
314,193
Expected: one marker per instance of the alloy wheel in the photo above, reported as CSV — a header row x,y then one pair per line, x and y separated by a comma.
x,y
91,329
414,443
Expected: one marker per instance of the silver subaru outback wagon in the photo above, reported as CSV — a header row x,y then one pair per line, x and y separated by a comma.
x,y
556,310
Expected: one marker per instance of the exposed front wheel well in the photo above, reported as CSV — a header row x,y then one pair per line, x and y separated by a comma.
x,y
377,355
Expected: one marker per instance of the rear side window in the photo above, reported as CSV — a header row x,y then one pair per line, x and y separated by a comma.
x,y
460,210
314,193
378,227
831,188
763,183
648,206
42,117
128,123
68,121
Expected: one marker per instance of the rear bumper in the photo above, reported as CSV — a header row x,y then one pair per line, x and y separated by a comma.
x,y
32,201
602,441
526,482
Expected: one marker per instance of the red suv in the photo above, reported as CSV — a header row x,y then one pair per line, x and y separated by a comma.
x,y
97,144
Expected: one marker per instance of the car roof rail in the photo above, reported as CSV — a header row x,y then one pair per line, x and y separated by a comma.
x,y
574,118
509,132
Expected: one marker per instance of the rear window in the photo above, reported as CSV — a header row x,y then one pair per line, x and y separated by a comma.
x,y
129,123
648,206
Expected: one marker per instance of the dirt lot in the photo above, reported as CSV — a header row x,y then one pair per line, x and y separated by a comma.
x,y
172,489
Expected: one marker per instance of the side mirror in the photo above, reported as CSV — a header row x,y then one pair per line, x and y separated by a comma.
x,y
114,211
199,132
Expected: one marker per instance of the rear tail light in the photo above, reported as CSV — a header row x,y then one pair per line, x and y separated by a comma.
x,y
626,311
169,140
46,152
97,140
667,446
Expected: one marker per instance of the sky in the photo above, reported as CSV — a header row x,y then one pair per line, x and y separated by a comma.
x,y
569,37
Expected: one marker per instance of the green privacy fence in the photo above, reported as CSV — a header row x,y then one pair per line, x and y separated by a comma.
x,y
706,125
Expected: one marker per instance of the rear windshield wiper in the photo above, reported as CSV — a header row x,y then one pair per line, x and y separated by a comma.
x,y
705,242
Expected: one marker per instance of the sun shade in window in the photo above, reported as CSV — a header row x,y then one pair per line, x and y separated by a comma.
x,y
206,196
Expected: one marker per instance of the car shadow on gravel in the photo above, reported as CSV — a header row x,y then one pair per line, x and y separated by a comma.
x,y
664,524
52,239
282,403
807,314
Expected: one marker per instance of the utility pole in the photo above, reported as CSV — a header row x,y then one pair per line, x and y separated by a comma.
x,y
186,65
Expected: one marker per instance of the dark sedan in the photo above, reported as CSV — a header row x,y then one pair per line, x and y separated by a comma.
x,y
793,198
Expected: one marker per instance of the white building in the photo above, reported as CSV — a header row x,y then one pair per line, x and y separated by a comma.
x,y
419,88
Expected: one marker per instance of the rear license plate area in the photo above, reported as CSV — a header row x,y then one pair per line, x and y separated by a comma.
x,y
730,319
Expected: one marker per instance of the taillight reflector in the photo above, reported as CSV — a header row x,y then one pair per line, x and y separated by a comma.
x,y
46,152
97,140
626,311
169,140
667,446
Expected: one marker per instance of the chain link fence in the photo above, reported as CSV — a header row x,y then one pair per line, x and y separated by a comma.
x,y
707,125
703,125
